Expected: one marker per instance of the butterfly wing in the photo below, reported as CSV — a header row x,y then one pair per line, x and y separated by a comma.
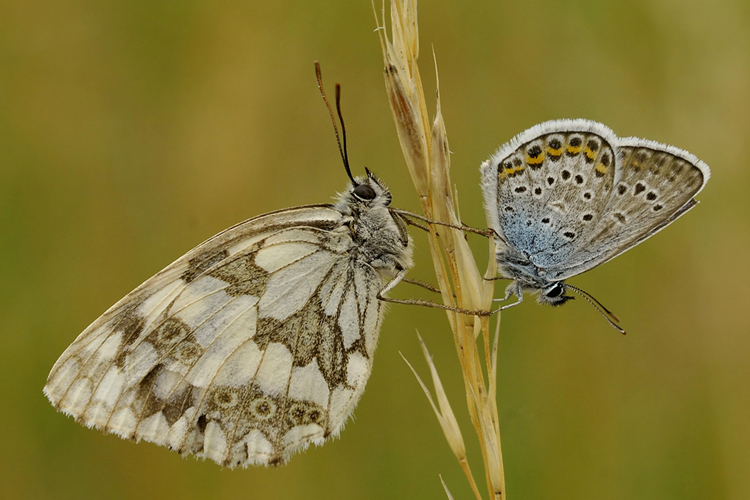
x,y
569,195
545,190
250,347
654,185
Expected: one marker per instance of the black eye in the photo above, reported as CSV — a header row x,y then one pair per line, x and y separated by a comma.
x,y
364,192
554,292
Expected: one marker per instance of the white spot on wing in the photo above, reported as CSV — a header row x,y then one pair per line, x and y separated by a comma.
x,y
78,397
159,300
332,288
342,404
275,257
198,312
197,290
140,362
357,370
300,436
123,422
308,384
360,284
275,369
259,449
241,366
349,321
154,429
178,431
233,336
215,443
340,283
165,383
110,388
92,346
110,347
228,317
372,320
290,288
293,235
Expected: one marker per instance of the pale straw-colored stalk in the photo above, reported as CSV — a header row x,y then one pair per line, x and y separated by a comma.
x,y
424,143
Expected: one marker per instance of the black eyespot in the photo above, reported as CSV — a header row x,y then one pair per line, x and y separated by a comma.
x,y
556,291
364,192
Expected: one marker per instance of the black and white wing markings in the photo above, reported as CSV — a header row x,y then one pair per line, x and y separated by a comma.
x,y
247,349
654,185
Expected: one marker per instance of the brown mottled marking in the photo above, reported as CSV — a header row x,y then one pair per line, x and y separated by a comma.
x,y
200,264
310,334
243,276
131,324
303,413
146,404
169,331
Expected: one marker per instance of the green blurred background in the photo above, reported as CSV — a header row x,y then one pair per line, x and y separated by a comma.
x,y
130,131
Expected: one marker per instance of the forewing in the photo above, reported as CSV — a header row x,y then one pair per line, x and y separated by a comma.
x,y
654,185
247,349
545,190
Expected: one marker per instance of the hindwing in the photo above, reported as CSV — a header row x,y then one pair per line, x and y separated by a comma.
x,y
654,185
568,195
546,189
250,347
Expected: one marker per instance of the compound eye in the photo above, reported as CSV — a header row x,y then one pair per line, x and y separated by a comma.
x,y
364,192
556,291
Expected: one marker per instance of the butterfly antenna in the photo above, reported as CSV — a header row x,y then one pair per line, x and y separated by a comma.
x,y
343,127
608,315
342,150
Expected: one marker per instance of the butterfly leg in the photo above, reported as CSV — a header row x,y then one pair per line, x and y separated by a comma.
x,y
422,302
424,285
463,227
513,289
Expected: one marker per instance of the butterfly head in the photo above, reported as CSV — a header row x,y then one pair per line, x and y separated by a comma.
x,y
554,294
363,193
